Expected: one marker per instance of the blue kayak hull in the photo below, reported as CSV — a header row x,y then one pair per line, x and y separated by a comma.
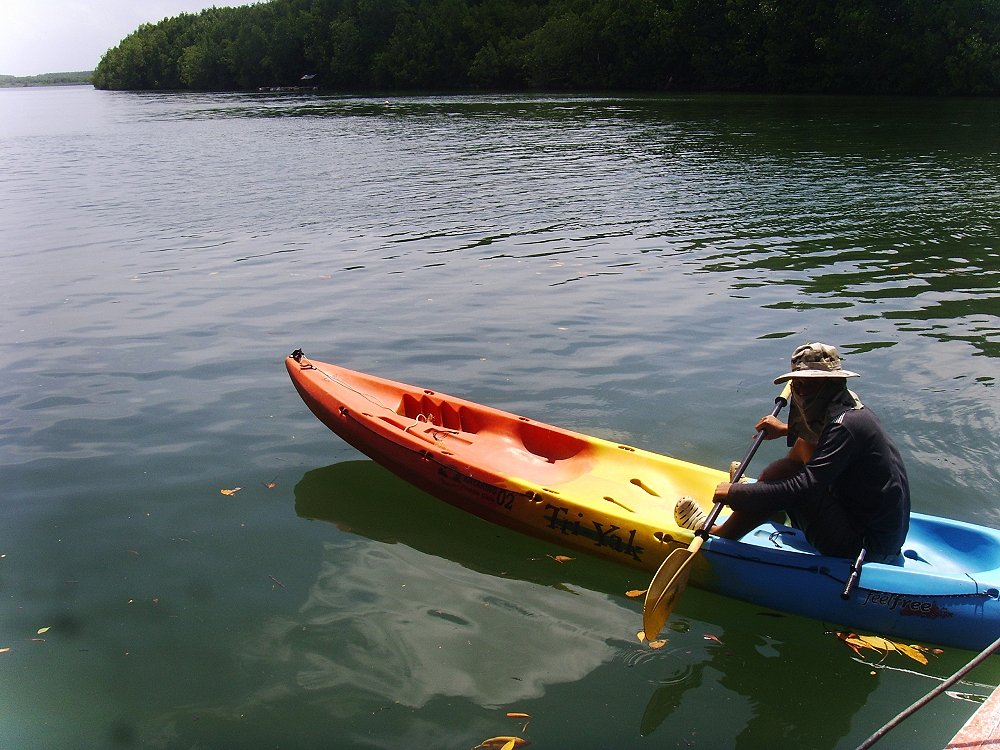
x,y
945,590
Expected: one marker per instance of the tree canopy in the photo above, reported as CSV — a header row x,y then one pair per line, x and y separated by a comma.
x,y
74,78
805,46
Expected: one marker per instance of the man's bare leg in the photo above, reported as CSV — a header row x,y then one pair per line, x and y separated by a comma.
x,y
741,523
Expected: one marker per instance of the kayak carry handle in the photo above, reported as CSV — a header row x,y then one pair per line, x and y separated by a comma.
x,y
852,580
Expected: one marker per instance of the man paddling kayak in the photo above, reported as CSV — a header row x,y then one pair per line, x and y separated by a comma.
x,y
843,482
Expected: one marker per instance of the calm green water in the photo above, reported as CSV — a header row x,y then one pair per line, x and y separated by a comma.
x,y
637,269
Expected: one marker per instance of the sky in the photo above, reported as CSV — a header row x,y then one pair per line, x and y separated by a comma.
x,y
58,36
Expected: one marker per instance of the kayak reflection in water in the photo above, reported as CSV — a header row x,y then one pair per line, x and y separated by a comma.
x,y
843,482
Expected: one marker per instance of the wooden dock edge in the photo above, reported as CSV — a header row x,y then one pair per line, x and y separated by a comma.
x,y
982,730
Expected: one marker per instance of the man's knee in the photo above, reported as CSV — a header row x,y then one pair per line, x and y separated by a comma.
x,y
783,468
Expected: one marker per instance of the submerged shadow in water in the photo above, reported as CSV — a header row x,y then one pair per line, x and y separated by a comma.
x,y
775,699
443,604
786,706
361,497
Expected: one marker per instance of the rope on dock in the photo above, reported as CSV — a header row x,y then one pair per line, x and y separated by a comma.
x,y
899,718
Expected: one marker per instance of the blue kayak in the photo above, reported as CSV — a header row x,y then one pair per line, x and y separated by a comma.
x,y
945,590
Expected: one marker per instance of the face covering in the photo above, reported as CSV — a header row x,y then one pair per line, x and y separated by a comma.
x,y
810,415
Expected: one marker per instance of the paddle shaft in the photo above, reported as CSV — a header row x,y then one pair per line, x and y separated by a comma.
x,y
779,404
672,575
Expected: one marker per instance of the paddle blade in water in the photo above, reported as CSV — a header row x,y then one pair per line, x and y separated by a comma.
x,y
666,587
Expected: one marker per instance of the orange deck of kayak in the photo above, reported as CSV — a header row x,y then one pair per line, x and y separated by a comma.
x,y
585,492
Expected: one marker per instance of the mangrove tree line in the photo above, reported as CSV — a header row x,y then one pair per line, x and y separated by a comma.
x,y
834,46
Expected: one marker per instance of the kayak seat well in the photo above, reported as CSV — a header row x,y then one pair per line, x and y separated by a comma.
x,y
949,547
548,457
439,413
548,444
511,446
943,548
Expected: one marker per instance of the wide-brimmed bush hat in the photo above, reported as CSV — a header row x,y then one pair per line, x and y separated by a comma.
x,y
816,361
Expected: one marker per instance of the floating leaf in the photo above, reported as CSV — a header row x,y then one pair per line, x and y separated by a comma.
x,y
710,637
877,642
5,650
231,492
560,558
641,635
42,631
914,652
501,743
853,642
272,484
882,645
657,644
636,593
520,715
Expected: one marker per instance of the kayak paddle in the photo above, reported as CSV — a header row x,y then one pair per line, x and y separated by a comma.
x,y
672,576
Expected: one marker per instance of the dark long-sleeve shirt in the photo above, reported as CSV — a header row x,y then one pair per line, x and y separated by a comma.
x,y
857,462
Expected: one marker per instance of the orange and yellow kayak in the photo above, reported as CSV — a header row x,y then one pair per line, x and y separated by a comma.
x,y
596,496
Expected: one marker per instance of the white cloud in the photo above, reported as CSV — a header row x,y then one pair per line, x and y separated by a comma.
x,y
54,36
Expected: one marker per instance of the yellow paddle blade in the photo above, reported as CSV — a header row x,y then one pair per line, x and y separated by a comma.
x,y
656,610
666,587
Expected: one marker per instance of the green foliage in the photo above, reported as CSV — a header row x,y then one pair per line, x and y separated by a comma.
x,y
47,79
820,46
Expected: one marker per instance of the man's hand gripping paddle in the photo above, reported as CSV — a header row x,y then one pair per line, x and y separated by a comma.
x,y
672,576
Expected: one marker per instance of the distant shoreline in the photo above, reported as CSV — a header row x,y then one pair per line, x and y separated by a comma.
x,y
74,78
